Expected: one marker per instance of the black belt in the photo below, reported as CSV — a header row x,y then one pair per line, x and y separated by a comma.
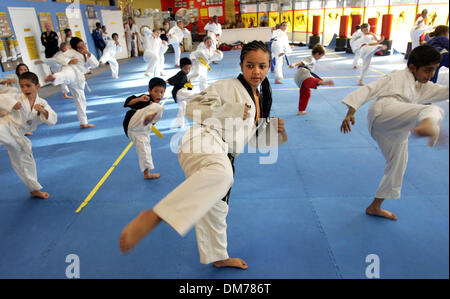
x,y
231,157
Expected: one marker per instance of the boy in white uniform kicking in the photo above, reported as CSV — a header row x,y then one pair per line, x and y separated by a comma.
x,y
145,111
24,112
181,91
398,110
109,54
76,63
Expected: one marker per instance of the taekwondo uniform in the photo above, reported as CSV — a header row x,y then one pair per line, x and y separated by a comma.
x,y
175,39
280,44
205,154
131,39
355,44
13,127
152,48
180,93
398,109
367,52
200,63
417,31
109,53
214,31
139,133
10,87
73,76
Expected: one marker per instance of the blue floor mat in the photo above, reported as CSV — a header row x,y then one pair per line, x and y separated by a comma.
x,y
301,217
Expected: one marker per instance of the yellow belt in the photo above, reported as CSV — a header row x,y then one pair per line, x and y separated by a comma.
x,y
204,63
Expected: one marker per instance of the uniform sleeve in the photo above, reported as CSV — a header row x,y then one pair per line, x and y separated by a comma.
x,y
433,93
364,94
208,27
92,61
125,105
212,104
8,101
268,136
175,80
52,116
186,32
64,58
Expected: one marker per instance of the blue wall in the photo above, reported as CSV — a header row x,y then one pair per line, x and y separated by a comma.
x,y
53,8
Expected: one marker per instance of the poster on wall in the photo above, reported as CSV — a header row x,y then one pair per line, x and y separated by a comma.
x,y
300,20
45,17
32,47
5,27
63,23
215,11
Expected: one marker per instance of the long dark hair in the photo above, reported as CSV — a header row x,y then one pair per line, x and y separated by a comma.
x,y
18,66
265,101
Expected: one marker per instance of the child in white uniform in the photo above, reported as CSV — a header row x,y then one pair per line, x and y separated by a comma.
x,y
398,110
11,82
181,91
153,46
214,30
418,29
201,57
145,111
109,54
369,44
76,62
176,35
24,112
56,67
206,154
280,47
355,44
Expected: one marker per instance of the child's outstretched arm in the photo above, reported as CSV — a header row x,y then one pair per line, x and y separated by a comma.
x,y
298,63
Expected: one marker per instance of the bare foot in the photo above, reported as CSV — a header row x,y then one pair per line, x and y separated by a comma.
x,y
329,82
29,134
302,112
427,129
150,176
381,213
231,262
177,65
361,83
147,74
278,82
87,126
137,229
49,78
355,67
39,194
215,62
65,96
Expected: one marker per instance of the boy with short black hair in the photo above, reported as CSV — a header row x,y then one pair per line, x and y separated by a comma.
x,y
305,77
145,111
109,55
182,89
25,112
398,110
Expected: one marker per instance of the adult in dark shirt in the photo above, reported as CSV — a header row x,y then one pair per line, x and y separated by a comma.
x,y
49,40
97,35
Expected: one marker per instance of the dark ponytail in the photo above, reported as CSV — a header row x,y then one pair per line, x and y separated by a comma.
x,y
439,30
